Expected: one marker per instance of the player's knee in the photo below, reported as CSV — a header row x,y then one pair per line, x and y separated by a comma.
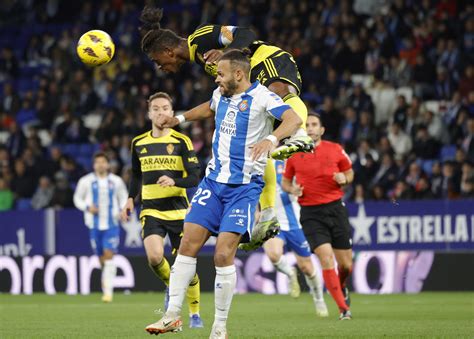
x,y
327,261
346,265
223,258
155,258
306,267
274,256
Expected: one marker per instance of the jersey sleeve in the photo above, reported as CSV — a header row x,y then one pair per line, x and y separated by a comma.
x,y
80,193
214,100
136,178
344,162
289,172
190,163
274,105
205,38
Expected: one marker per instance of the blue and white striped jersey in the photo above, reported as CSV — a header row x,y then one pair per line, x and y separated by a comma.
x,y
108,194
241,121
286,205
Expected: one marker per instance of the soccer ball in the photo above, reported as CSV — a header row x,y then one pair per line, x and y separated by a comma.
x,y
95,48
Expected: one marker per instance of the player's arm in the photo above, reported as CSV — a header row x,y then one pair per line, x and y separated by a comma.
x,y
230,37
122,193
80,194
290,122
201,112
190,163
345,176
134,187
287,182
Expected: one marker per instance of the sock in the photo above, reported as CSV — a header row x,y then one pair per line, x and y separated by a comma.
x,y
315,286
298,106
283,266
162,271
267,197
226,278
300,133
184,268
108,275
343,275
334,287
194,295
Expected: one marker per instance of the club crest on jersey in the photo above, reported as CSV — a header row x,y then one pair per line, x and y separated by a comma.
x,y
170,148
244,104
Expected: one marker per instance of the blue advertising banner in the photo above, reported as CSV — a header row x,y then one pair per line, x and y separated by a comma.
x,y
410,225
22,234
377,226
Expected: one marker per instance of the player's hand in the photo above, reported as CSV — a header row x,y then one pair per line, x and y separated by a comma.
x,y
127,210
93,209
261,148
213,56
340,178
164,121
297,190
165,181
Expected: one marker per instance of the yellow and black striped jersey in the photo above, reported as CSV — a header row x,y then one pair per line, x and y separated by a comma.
x,y
171,155
207,37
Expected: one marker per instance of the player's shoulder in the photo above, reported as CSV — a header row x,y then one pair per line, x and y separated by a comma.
x,y
202,29
86,177
182,138
140,137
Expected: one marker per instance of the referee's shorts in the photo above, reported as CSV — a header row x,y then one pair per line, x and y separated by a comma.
x,y
327,224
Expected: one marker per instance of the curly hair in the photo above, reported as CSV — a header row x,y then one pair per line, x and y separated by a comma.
x,y
155,38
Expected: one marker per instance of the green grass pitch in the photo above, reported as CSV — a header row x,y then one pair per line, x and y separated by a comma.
x,y
252,316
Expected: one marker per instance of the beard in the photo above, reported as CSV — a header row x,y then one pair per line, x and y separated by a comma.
x,y
229,88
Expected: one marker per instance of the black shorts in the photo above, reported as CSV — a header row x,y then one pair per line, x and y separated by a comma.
x,y
327,223
174,229
279,66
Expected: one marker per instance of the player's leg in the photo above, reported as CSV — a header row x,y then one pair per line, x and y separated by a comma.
x,y
274,250
110,240
193,294
184,269
342,245
226,278
203,218
297,243
268,225
344,267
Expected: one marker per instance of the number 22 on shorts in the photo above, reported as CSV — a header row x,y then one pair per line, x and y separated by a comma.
x,y
201,196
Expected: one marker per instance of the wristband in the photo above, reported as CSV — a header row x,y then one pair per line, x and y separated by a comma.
x,y
181,118
273,139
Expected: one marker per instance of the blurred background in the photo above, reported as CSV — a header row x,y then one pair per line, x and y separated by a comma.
x,y
393,81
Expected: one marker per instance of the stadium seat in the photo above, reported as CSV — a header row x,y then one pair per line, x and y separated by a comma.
x,y
427,166
23,204
448,152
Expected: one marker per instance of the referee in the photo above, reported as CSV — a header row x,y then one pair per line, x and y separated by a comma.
x,y
164,164
319,177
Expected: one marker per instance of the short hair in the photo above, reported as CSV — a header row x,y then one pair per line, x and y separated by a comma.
x,y
160,95
238,58
316,115
100,154
155,38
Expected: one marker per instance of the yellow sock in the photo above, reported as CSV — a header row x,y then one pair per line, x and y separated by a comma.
x,y
267,198
162,271
298,106
193,295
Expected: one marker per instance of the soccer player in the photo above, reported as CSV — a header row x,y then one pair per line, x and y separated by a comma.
x,y
292,235
270,65
101,195
163,166
319,177
225,202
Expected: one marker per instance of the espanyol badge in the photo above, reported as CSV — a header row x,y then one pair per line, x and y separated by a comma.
x,y
243,105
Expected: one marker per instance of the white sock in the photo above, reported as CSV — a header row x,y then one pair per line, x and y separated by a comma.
x,y
315,286
267,214
283,266
182,272
108,276
226,279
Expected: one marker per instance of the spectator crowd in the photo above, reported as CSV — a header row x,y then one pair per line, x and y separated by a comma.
x,y
392,80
